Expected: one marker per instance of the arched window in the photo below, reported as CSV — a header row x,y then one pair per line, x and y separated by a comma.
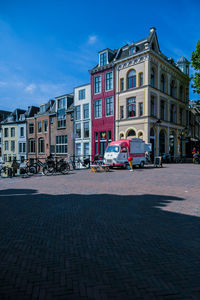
x,y
41,145
181,92
131,132
121,136
140,135
31,146
153,78
173,89
162,83
131,79
152,133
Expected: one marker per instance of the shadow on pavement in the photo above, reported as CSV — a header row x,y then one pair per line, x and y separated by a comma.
x,y
96,247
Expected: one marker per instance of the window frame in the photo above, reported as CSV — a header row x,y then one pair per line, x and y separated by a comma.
x,y
39,145
99,110
110,106
61,143
133,104
97,84
109,81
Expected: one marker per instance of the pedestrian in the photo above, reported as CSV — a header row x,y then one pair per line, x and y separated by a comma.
x,y
15,166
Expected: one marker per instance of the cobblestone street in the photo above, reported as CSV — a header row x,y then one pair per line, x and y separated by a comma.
x,y
116,235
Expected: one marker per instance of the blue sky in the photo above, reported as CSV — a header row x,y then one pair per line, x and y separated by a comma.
x,y
47,47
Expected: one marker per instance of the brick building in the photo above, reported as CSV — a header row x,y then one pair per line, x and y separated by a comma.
x,y
38,133
61,126
102,102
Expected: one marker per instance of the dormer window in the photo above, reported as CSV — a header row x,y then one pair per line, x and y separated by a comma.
x,y
132,50
103,59
42,109
61,103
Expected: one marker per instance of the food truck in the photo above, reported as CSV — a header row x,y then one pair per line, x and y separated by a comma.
x,y
117,152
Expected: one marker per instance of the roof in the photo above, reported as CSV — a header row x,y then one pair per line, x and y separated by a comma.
x,y
181,60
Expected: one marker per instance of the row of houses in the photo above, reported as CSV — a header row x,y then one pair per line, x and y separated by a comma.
x,y
134,91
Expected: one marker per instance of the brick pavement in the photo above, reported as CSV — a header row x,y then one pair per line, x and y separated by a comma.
x,y
117,235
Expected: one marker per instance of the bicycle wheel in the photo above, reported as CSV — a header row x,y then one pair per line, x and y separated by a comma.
x,y
30,171
64,169
48,171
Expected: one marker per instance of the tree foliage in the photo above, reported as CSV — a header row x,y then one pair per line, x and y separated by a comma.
x,y
195,58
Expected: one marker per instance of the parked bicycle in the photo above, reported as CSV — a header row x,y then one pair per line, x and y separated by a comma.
x,y
56,166
27,168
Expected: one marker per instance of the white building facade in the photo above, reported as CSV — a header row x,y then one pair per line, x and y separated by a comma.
x,y
21,140
82,120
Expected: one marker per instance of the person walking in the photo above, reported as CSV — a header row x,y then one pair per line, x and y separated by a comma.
x,y
194,154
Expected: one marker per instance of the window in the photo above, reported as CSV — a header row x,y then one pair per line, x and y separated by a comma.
x,y
61,103
97,84
6,146
121,112
78,130
21,131
13,146
45,125
22,147
181,93
86,149
42,109
78,149
173,113
12,132
153,78
181,116
39,126
86,111
86,129
6,132
162,110
131,78
61,144
78,112
131,107
121,84
31,128
162,83
22,158
31,146
61,123
109,106
61,118
173,89
97,109
141,79
141,109
81,94
109,81
5,158
153,107
132,50
41,145
103,59
96,143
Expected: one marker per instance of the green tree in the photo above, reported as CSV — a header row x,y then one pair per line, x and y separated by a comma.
x,y
195,58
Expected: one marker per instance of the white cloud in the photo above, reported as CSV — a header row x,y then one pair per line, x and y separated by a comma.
x,y
92,39
30,88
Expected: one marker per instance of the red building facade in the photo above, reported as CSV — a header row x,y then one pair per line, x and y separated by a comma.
x,y
102,102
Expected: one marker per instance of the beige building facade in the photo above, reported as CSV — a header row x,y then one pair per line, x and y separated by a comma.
x,y
151,96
